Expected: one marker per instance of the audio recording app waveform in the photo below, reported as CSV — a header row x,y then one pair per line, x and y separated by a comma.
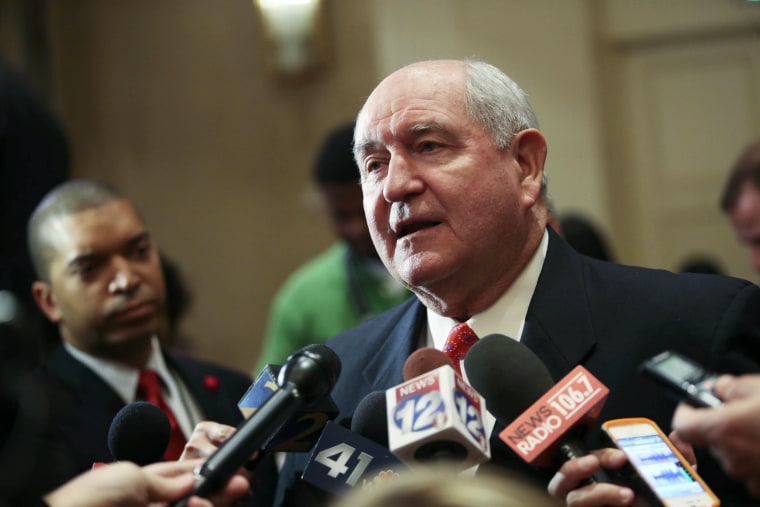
x,y
659,466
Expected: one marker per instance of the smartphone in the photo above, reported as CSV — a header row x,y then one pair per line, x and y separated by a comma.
x,y
656,470
684,378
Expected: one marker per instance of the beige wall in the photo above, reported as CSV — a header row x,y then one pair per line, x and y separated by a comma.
x,y
171,100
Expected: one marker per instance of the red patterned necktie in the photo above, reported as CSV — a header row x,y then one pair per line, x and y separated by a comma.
x,y
149,389
460,339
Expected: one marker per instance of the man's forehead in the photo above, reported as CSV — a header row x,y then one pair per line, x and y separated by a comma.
x,y
409,116
416,94
83,231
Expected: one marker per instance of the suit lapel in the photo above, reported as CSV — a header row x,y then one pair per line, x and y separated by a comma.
x,y
211,402
82,379
95,407
385,368
558,326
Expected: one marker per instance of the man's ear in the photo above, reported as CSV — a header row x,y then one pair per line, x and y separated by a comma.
x,y
529,148
43,295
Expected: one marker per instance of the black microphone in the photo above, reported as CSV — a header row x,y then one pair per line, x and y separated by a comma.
x,y
307,377
546,422
301,432
139,433
370,418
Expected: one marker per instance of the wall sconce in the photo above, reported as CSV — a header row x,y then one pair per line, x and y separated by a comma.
x,y
294,36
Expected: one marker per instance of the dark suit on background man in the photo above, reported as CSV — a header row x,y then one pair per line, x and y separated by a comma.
x,y
606,317
83,405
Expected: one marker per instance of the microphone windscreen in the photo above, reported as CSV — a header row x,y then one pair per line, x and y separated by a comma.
x,y
370,418
424,360
507,374
314,369
139,433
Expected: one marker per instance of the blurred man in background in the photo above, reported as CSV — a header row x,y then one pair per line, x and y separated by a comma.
x,y
342,286
741,200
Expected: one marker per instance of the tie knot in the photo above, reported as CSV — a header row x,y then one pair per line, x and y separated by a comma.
x,y
460,339
149,385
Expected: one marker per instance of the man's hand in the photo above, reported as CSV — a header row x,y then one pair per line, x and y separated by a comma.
x,y
731,431
684,447
206,438
567,482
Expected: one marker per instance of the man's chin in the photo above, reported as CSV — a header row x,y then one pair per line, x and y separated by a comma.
x,y
421,271
127,343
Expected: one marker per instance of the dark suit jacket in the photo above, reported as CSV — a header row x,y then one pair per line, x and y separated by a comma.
x,y
82,406
605,316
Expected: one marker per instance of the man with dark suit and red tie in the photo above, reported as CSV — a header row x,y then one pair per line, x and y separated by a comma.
x,y
452,176
100,281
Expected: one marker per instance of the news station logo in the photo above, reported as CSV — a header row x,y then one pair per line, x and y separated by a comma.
x,y
343,460
469,409
420,404
383,478
435,408
576,399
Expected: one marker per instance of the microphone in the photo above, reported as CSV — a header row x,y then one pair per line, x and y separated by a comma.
x,y
139,433
307,376
436,416
424,360
344,459
546,422
300,432
370,418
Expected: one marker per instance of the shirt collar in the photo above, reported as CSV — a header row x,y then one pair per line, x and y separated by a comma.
x,y
120,377
506,316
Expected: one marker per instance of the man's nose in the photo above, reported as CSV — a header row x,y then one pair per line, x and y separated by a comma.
x,y
402,179
125,278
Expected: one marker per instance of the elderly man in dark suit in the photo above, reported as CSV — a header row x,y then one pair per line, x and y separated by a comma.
x,y
100,281
452,174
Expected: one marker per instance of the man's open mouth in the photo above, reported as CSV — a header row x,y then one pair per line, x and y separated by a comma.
x,y
410,228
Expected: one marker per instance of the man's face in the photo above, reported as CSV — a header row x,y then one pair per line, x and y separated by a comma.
x,y
745,218
106,290
344,203
448,212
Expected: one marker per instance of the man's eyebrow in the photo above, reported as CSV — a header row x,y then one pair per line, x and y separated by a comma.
x,y
88,257
139,238
363,148
83,259
422,128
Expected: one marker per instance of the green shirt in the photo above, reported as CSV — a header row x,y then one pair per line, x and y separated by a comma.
x,y
316,303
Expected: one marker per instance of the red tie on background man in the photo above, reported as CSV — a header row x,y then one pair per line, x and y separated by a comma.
x,y
460,339
149,389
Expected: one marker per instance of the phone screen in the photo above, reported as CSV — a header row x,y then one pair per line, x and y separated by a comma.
x,y
679,368
657,464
